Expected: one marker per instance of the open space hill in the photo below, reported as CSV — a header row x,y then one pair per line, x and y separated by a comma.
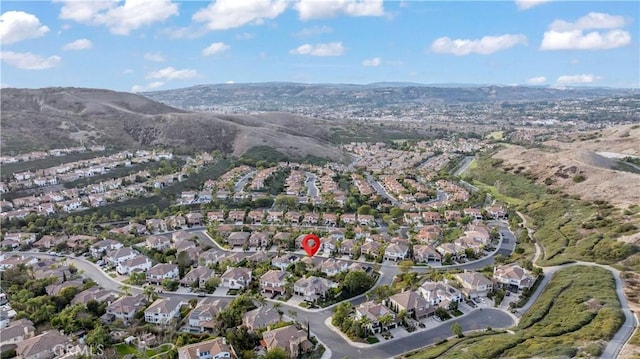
x,y
65,117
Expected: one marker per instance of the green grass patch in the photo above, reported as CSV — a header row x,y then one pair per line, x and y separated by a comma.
x,y
496,194
125,349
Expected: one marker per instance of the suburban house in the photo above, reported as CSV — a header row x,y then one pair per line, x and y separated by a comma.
x,y
374,312
194,219
44,346
313,288
410,301
236,278
163,311
396,251
215,217
333,267
199,275
156,225
210,349
162,271
273,282
284,261
104,246
121,255
370,248
293,340
203,317
261,317
124,308
259,239
439,292
17,331
94,293
346,247
139,263
423,253
474,284
236,216
158,243
239,239
512,276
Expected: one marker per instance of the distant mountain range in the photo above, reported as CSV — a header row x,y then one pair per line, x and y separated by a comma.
x,y
58,117
285,96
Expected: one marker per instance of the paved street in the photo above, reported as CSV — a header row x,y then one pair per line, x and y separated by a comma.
x,y
242,182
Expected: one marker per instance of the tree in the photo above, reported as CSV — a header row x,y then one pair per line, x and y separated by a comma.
x,y
364,209
170,284
442,313
211,284
381,293
357,282
125,289
276,353
98,336
385,320
405,266
149,292
456,329
453,305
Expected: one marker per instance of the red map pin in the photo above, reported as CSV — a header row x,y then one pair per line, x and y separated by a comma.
x,y
311,244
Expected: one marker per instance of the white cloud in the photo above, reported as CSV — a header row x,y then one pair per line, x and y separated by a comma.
x,y
228,14
374,62
230,82
18,25
537,80
315,30
155,57
593,20
315,9
484,46
328,49
127,71
245,36
170,73
564,35
120,19
80,44
215,48
577,79
148,87
577,40
29,61
528,4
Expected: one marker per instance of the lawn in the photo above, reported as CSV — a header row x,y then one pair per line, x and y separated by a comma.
x,y
496,194
578,309
125,349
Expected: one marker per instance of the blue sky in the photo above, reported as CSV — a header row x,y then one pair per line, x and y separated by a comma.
x,y
139,45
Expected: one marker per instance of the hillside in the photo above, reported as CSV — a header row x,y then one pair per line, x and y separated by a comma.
x,y
283,96
59,117
602,178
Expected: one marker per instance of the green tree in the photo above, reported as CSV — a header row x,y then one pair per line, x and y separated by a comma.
x,y
98,336
211,284
357,282
456,329
276,353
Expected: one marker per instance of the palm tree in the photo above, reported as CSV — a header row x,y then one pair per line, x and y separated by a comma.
x,y
365,323
149,292
385,320
125,289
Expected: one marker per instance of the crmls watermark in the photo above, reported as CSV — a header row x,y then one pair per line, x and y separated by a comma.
x,y
80,350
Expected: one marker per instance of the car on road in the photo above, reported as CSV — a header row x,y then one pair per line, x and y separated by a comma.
x,y
476,299
508,294
482,300
202,294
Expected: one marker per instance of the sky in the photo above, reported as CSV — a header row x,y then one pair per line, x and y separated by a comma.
x,y
144,45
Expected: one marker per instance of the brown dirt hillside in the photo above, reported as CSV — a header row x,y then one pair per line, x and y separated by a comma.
x,y
560,162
